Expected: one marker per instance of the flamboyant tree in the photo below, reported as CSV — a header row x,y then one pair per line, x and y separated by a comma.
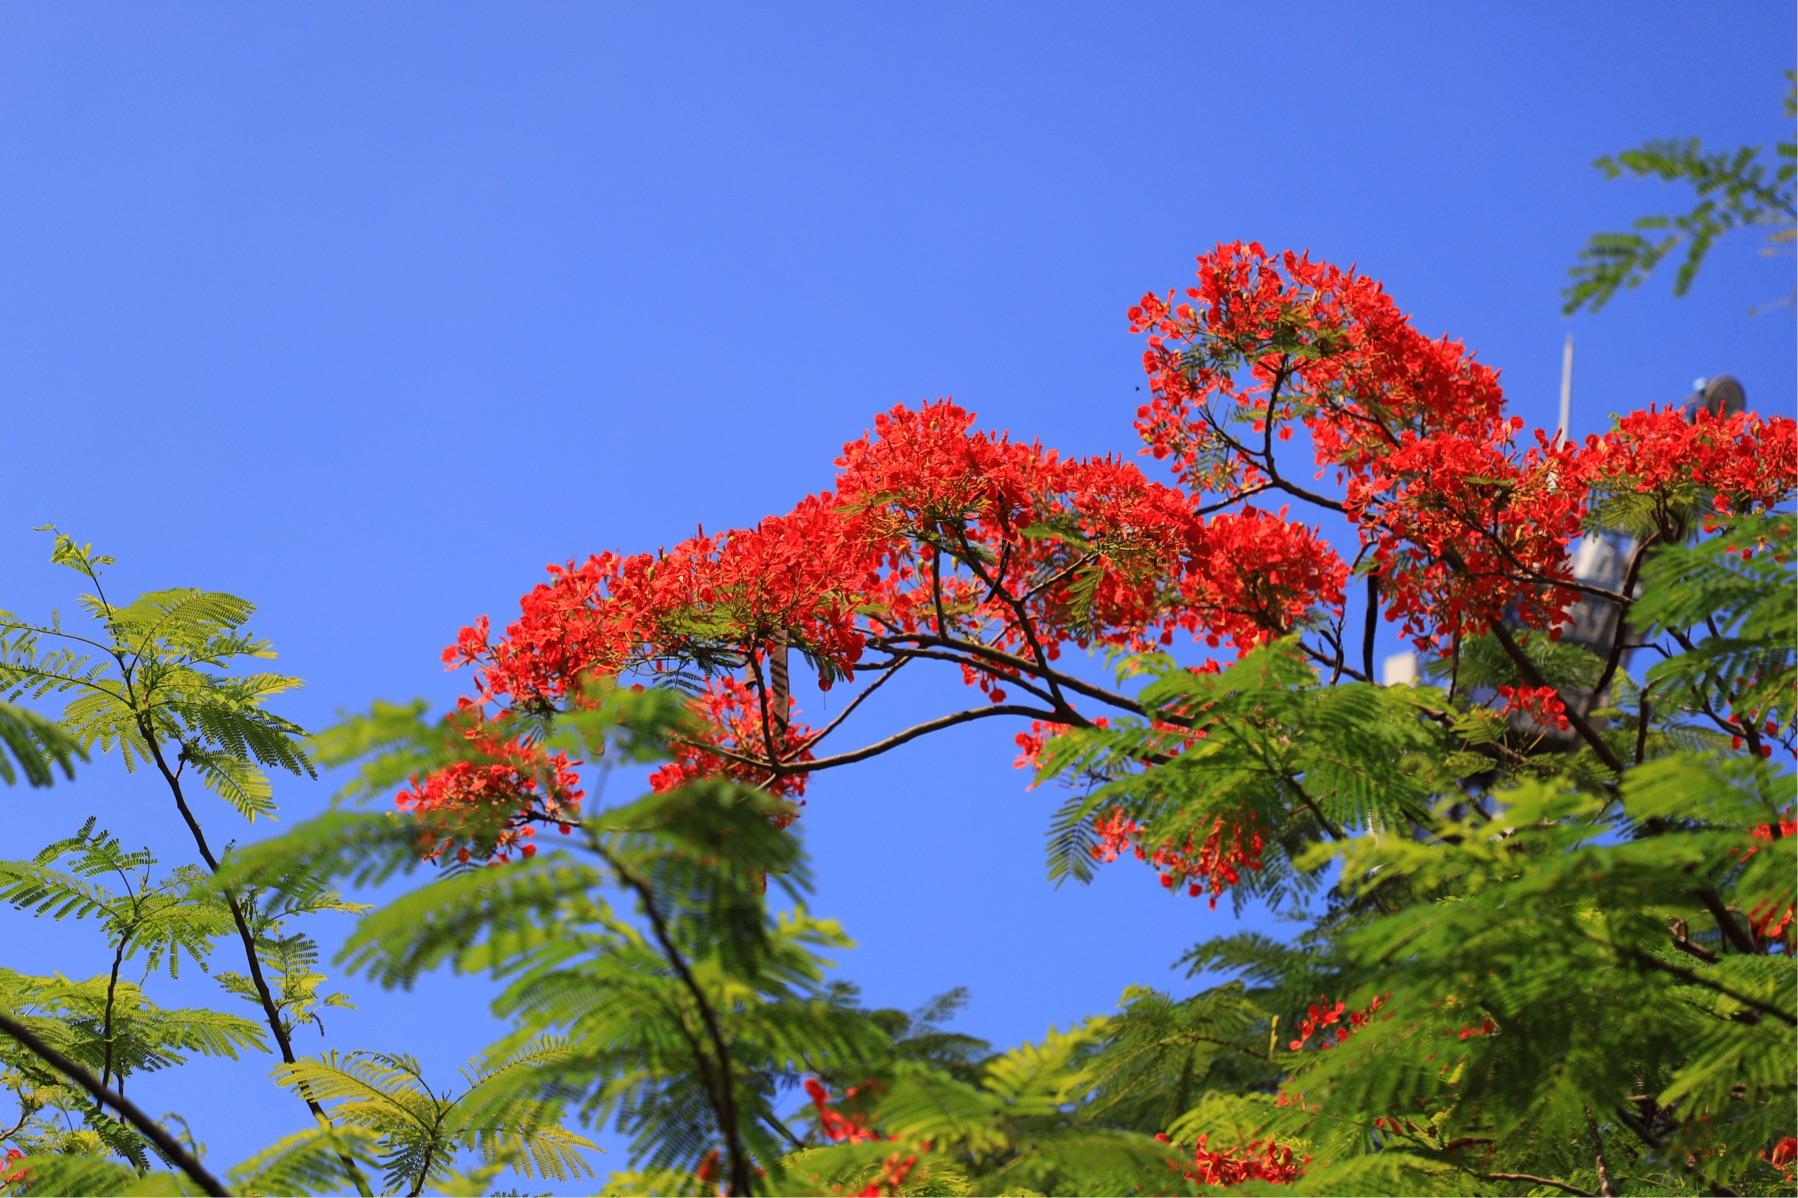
x,y
1566,971
1496,902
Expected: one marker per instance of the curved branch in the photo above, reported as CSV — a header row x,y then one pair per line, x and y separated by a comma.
x,y
825,731
1568,1187
724,1100
782,768
901,656
894,643
264,995
129,1111
1534,677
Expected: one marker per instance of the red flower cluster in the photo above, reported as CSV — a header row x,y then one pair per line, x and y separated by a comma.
x,y
1741,728
488,806
1324,1014
1772,917
9,1173
942,541
838,1127
843,1128
1784,1157
893,1172
1257,1160
1463,526
1211,866
1541,703
1745,462
732,711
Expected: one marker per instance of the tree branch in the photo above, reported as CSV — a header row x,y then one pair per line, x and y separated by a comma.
x,y
1568,1187
880,746
271,1012
724,1100
1534,677
151,1130
1619,636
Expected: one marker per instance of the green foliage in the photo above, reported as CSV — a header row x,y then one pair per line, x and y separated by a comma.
x,y
1229,747
152,680
415,1134
1735,189
1738,588
33,747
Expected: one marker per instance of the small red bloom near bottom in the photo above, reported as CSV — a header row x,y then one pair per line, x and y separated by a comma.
x,y
10,1175
1258,1160
1784,1157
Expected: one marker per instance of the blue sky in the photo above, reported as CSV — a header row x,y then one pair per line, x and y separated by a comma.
x,y
368,312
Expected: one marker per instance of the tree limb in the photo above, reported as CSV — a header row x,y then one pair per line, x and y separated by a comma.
x,y
151,1130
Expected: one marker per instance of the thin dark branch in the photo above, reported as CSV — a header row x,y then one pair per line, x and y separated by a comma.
x,y
936,588
1740,939
1370,625
786,1132
895,644
112,990
1022,612
264,996
151,1130
1534,677
825,731
1323,820
761,694
1233,500
724,1100
1605,1188
1621,635
881,746
1682,940
1541,1181
1648,960
1085,559
1010,678
424,1170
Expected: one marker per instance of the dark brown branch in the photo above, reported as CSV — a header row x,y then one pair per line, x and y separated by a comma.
x,y
1010,677
1335,832
1541,1181
271,1012
1022,612
1620,635
112,990
1232,501
724,1098
424,1170
1370,625
1085,559
936,588
1740,939
895,644
1682,940
1605,1188
1534,677
1650,961
1266,463
761,694
880,746
849,707
129,1111
780,686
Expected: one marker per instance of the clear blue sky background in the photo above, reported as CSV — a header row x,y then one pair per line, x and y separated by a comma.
x,y
366,312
